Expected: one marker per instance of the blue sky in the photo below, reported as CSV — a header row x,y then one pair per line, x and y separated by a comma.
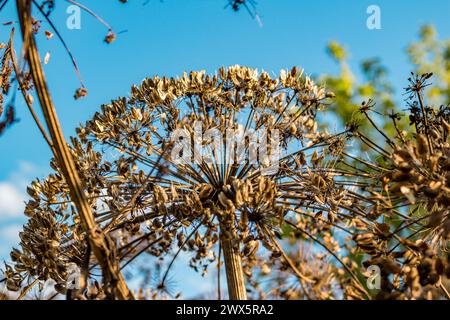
x,y
171,36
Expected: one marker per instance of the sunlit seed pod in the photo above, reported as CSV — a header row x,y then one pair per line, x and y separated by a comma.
x,y
225,202
15,255
265,269
239,199
236,185
206,191
250,248
163,118
319,199
422,144
136,114
162,196
12,285
261,184
292,129
173,192
364,238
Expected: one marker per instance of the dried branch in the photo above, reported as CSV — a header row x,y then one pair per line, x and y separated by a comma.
x,y
101,247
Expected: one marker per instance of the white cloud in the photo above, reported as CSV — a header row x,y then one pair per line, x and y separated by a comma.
x,y
11,201
10,233
13,190
25,174
9,238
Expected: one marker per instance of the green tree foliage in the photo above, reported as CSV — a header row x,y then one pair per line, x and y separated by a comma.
x,y
432,54
427,54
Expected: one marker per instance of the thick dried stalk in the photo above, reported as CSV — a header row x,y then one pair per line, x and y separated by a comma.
x,y
102,248
233,269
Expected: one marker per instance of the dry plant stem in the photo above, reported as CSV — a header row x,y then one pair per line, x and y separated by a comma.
x,y
425,118
289,261
233,270
27,101
447,294
219,260
101,247
27,289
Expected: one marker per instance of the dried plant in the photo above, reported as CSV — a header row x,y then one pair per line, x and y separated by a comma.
x,y
102,249
114,284
136,188
305,227
410,187
336,211
6,70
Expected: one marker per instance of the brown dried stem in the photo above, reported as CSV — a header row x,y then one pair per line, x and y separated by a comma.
x,y
233,270
101,247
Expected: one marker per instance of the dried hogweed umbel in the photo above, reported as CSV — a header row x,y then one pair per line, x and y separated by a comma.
x,y
150,203
321,199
